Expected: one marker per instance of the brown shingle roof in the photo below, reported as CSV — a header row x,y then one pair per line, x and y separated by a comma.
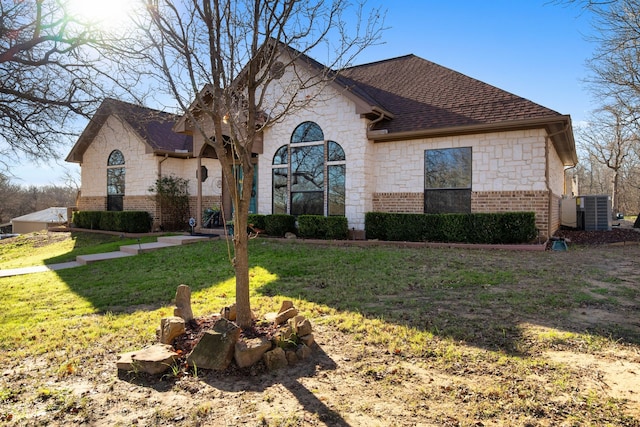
x,y
153,126
423,95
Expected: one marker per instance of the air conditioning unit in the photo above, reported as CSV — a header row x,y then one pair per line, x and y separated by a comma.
x,y
593,212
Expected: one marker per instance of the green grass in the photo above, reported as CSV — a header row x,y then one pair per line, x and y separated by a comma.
x,y
47,248
440,308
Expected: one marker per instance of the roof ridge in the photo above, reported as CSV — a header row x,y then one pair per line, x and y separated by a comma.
x,y
381,61
139,106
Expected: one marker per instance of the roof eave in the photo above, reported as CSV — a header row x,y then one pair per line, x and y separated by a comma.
x,y
182,154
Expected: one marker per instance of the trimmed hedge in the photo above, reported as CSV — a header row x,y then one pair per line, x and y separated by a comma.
x,y
124,221
323,227
496,228
279,224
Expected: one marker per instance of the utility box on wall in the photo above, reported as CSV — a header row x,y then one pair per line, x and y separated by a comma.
x,y
593,212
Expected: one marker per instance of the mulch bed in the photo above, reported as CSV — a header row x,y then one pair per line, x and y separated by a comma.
x,y
618,234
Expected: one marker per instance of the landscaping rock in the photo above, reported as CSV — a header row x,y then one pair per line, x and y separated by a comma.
x,y
301,326
170,328
183,303
290,235
215,349
286,305
308,340
285,315
292,359
229,312
250,351
303,352
153,360
275,359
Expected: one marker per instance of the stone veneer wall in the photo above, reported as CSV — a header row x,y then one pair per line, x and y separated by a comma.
x,y
486,201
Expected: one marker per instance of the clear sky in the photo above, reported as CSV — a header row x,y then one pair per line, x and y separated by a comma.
x,y
535,49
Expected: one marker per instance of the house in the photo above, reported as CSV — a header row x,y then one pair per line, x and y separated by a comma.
x,y
41,220
123,151
399,135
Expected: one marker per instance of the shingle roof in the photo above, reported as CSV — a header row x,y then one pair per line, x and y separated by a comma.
x,y
424,95
153,126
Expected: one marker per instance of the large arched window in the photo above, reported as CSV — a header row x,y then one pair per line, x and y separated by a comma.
x,y
309,174
115,181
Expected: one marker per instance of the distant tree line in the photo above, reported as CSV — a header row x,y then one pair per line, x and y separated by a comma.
x,y
609,143
17,200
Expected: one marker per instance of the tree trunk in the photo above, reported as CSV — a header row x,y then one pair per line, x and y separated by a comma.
x,y
241,265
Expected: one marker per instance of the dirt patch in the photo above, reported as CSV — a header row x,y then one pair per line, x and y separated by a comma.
x,y
616,375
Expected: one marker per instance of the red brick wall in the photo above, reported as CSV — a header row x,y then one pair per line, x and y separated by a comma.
x,y
92,203
398,202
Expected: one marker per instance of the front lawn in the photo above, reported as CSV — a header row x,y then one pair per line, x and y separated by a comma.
x,y
407,336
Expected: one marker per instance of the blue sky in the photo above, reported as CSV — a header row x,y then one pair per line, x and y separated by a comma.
x,y
533,48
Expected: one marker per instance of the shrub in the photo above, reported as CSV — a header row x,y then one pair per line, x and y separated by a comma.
x,y
172,195
124,221
279,224
506,227
322,227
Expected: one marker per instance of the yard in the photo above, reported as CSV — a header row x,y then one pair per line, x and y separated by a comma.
x,y
406,336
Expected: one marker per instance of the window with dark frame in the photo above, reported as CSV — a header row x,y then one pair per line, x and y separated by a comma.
x,y
308,175
447,180
115,181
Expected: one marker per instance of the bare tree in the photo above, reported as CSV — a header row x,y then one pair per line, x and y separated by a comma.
x,y
616,62
51,74
610,141
220,59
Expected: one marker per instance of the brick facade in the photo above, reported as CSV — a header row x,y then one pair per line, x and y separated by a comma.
x,y
398,202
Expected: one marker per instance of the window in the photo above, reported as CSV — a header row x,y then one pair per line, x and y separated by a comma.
x,y
115,181
447,180
309,174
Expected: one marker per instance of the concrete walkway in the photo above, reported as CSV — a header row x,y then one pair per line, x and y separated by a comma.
x,y
125,251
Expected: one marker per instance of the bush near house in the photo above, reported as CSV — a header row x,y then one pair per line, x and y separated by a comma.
x,y
279,224
323,227
124,221
497,228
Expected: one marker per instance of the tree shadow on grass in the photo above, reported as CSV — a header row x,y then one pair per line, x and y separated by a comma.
x,y
484,299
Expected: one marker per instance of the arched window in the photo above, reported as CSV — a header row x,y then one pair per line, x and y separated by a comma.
x,y
307,132
115,181
309,174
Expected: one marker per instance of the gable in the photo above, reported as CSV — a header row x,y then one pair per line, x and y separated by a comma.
x,y
154,128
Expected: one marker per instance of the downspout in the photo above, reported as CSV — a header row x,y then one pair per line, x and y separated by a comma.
x,y
547,173
166,156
